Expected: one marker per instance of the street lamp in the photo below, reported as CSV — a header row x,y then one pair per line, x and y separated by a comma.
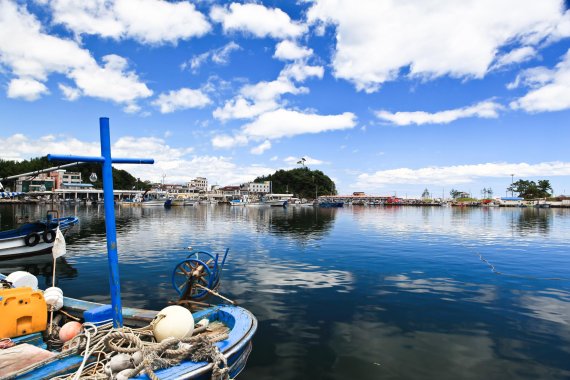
x,y
512,180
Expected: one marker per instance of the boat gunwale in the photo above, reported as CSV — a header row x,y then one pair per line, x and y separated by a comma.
x,y
76,306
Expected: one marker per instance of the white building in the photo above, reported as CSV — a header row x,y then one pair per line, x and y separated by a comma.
x,y
71,177
261,188
198,183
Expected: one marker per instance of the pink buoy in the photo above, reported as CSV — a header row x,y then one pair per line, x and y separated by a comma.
x,y
69,331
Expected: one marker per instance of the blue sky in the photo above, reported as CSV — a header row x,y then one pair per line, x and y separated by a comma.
x,y
384,96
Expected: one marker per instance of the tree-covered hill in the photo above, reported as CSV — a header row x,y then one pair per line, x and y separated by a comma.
x,y
122,180
302,182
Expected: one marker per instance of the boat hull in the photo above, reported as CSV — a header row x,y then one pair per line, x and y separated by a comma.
x,y
15,246
236,348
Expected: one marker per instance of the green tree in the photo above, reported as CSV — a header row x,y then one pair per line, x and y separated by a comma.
x,y
302,182
530,189
122,180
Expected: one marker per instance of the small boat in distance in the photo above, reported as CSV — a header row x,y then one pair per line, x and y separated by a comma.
x,y
33,238
276,200
237,202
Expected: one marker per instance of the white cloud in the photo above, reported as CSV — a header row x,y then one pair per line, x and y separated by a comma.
x,y
256,99
289,50
486,109
226,141
26,88
257,20
452,175
522,54
308,161
69,93
550,88
283,123
180,164
261,147
32,54
300,71
220,56
181,99
29,52
378,40
287,123
147,21
111,81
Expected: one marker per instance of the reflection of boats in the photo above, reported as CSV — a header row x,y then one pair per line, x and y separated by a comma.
x,y
329,204
32,238
38,265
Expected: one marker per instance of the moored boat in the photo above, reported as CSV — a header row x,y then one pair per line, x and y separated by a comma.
x,y
238,323
33,238
276,200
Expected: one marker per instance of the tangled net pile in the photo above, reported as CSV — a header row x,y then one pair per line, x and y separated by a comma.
x,y
122,353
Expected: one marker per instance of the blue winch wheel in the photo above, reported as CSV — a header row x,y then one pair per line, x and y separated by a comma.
x,y
195,270
32,239
48,236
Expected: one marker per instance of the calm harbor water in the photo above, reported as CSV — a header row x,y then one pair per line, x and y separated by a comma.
x,y
353,293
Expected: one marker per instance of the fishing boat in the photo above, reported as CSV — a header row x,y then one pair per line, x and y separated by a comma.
x,y
30,358
181,201
276,200
161,202
107,336
237,202
33,238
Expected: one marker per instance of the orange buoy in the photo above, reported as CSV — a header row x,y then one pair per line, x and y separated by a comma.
x,y
69,331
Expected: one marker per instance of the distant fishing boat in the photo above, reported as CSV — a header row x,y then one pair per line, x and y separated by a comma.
x,y
276,200
33,238
161,202
237,202
179,201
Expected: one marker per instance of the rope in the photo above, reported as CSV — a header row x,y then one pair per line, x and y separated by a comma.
x,y
141,353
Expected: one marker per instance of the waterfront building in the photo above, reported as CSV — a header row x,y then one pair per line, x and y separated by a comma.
x,y
198,183
41,182
258,187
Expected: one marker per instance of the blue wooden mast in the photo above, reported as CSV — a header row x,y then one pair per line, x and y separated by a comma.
x,y
106,161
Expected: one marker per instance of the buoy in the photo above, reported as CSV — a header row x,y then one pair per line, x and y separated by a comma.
x,y
173,321
69,331
22,278
54,297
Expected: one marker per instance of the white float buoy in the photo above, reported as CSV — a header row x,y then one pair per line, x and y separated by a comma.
x,y
173,321
22,278
54,297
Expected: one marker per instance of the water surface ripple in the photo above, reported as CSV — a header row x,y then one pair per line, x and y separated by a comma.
x,y
353,293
